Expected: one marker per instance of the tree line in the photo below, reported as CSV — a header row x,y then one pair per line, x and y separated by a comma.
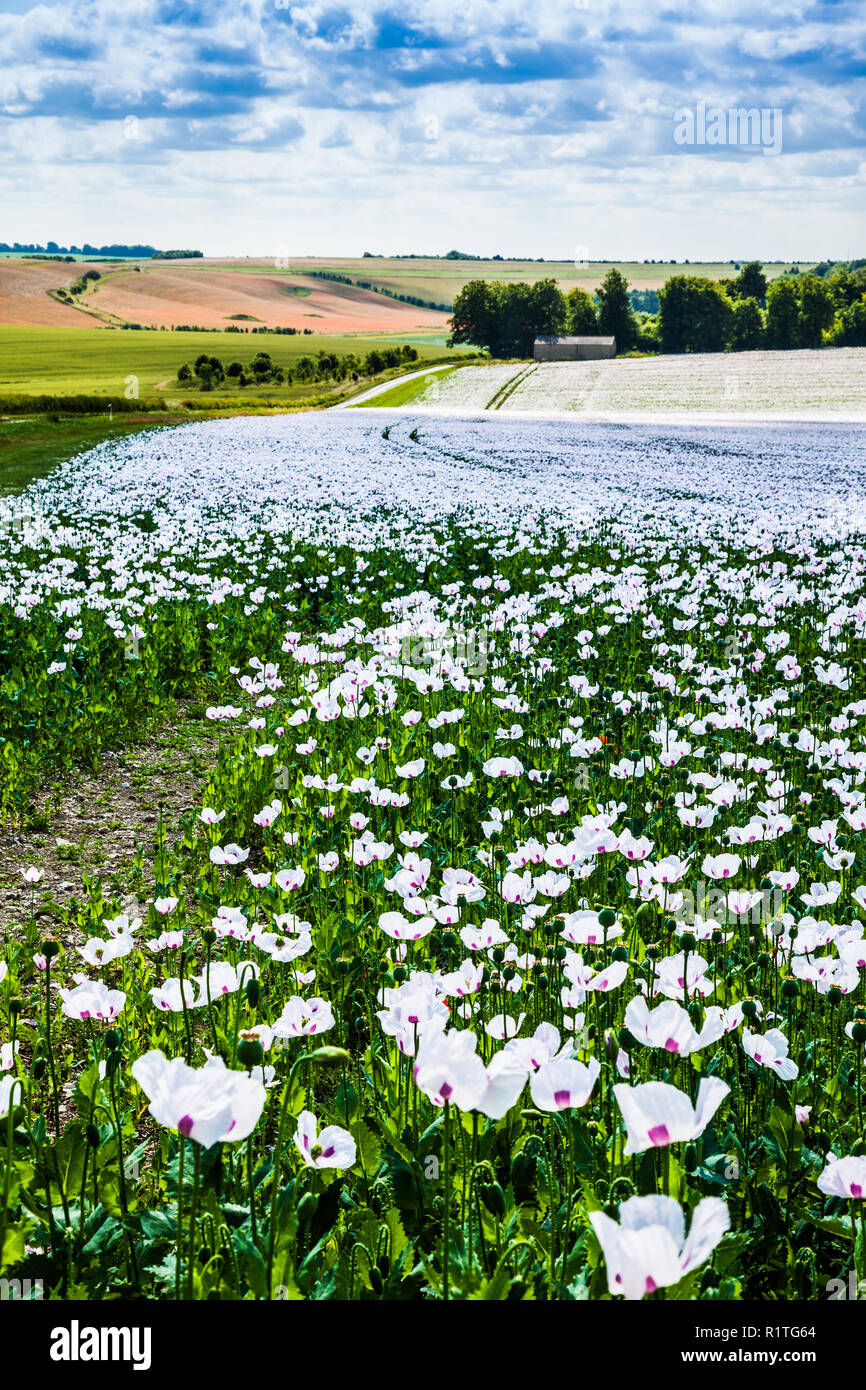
x,y
695,313
208,371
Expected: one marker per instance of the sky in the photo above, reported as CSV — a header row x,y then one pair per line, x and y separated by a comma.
x,y
563,129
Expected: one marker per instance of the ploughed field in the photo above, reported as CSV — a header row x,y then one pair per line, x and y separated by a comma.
x,y
512,943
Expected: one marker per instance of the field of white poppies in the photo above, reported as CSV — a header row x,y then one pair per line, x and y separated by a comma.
x,y
768,384
515,946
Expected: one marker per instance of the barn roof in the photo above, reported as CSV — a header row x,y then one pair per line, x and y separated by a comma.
x,y
594,340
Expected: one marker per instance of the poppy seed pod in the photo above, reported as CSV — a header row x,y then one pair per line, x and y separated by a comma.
x,y
16,1006
50,949
113,1039
860,1013
688,941
834,996
790,989
607,917
208,936
763,960
250,1051
858,1031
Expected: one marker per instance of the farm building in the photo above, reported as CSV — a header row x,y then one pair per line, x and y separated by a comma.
x,y
573,349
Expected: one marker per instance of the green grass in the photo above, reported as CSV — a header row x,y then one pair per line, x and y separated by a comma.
x,y
407,392
98,361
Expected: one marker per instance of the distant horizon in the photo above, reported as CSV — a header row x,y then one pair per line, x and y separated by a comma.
x,y
38,248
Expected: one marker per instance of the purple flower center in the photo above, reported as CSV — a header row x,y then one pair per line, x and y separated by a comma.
x,y
658,1135
445,1090
856,1190
184,1126
651,1284
672,1045
562,1099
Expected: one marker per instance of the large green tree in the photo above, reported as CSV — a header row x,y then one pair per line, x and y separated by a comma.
x,y
817,309
507,318
783,314
475,316
615,314
751,283
748,325
581,317
695,315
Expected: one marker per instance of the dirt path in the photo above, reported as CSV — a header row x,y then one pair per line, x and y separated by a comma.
x,y
93,824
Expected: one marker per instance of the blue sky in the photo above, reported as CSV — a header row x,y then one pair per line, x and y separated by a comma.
x,y
243,126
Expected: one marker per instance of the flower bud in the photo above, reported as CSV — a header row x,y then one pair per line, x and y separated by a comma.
x,y
307,1206
252,989
493,1198
329,1056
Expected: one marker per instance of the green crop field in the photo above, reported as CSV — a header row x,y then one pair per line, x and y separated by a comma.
x,y
439,280
99,361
